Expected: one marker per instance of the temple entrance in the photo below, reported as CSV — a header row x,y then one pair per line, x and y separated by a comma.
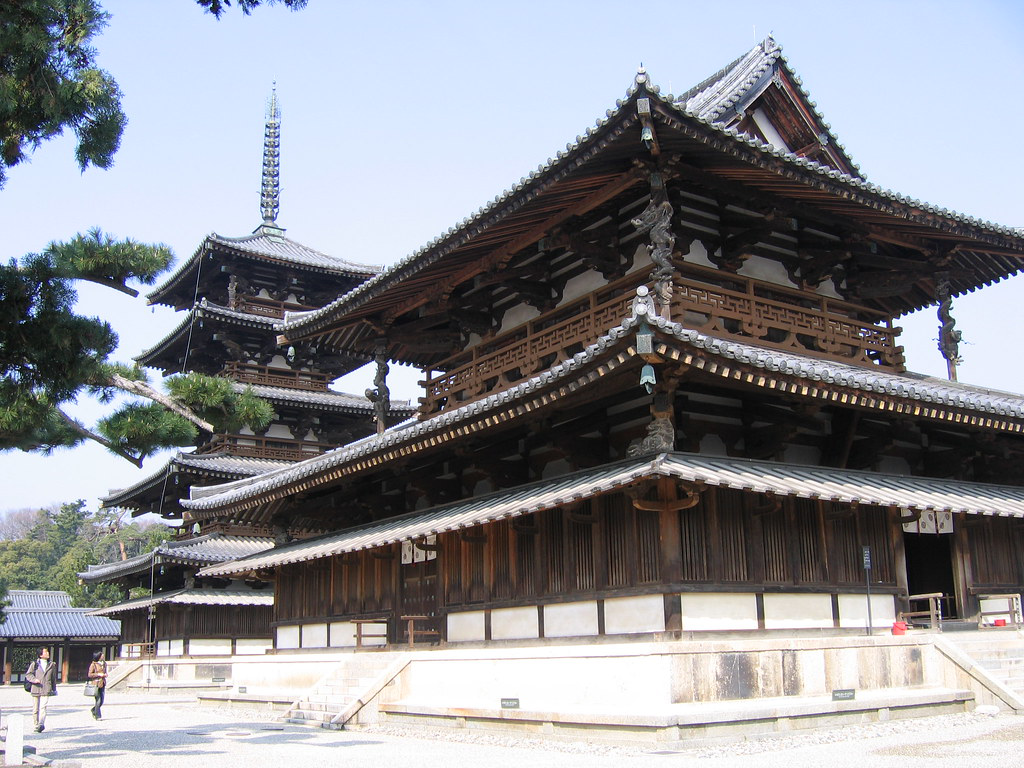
x,y
418,599
930,568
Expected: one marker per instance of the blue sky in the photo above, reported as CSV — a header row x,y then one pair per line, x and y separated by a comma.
x,y
401,119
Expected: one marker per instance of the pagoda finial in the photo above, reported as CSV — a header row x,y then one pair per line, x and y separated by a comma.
x,y
271,192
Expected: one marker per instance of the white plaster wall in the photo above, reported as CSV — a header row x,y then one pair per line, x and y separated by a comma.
x,y
712,445
786,611
853,611
170,647
279,361
645,613
288,637
570,619
641,258
769,270
517,315
279,430
252,646
218,646
314,635
342,634
698,255
556,468
718,611
514,623
581,285
466,627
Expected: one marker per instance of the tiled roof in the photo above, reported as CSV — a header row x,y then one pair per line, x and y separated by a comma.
x,y
206,310
913,387
201,550
841,485
336,400
215,464
855,194
270,243
731,88
38,598
224,597
45,614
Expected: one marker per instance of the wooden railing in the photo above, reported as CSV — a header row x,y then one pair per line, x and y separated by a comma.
x,y
256,447
497,364
717,303
255,305
250,373
726,305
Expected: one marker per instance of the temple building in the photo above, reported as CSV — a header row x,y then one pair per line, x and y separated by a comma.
x,y
232,291
664,394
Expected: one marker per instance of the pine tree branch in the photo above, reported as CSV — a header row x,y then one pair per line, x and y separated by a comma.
x,y
142,389
78,427
109,284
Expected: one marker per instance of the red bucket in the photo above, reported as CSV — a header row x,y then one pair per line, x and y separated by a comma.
x,y
1000,622
899,627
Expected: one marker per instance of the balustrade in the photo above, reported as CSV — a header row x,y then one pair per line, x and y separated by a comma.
x,y
257,447
250,373
720,304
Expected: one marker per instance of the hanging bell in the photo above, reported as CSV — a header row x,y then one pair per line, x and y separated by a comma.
x,y
647,378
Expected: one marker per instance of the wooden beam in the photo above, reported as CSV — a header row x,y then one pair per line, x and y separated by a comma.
x,y
501,255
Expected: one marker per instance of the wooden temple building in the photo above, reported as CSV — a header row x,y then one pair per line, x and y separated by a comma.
x,y
232,292
664,393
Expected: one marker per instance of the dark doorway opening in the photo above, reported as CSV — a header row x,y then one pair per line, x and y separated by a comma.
x,y
930,568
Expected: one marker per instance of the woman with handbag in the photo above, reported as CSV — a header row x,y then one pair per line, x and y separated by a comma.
x,y
98,681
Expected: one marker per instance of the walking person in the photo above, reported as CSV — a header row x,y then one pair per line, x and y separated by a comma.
x,y
42,675
98,677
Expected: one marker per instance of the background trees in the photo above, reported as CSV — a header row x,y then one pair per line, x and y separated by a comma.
x,y
48,548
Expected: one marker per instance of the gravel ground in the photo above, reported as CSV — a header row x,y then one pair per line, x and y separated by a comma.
x,y
158,732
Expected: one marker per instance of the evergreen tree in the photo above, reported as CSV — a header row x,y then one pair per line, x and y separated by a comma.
x,y
49,355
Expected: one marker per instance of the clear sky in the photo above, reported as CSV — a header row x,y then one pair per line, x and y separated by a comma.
x,y
401,119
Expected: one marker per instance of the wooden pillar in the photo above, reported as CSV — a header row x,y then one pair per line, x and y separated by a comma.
x,y
65,662
8,661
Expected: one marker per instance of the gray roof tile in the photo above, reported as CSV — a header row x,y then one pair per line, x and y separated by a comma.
x,y
193,597
842,485
913,386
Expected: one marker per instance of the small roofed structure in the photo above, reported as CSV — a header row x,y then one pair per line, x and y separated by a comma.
x,y
37,618
194,621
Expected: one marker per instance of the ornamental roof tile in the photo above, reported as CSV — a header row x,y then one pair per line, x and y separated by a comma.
x,y
732,87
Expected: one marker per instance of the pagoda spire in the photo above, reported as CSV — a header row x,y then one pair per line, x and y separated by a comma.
x,y
271,192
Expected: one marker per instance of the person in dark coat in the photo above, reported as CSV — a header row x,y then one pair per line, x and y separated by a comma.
x,y
42,674
98,677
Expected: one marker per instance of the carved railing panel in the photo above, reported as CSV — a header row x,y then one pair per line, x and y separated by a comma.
x,y
256,305
251,373
722,305
788,319
532,347
256,447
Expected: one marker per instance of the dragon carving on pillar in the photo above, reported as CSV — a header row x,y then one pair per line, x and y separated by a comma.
x,y
655,219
